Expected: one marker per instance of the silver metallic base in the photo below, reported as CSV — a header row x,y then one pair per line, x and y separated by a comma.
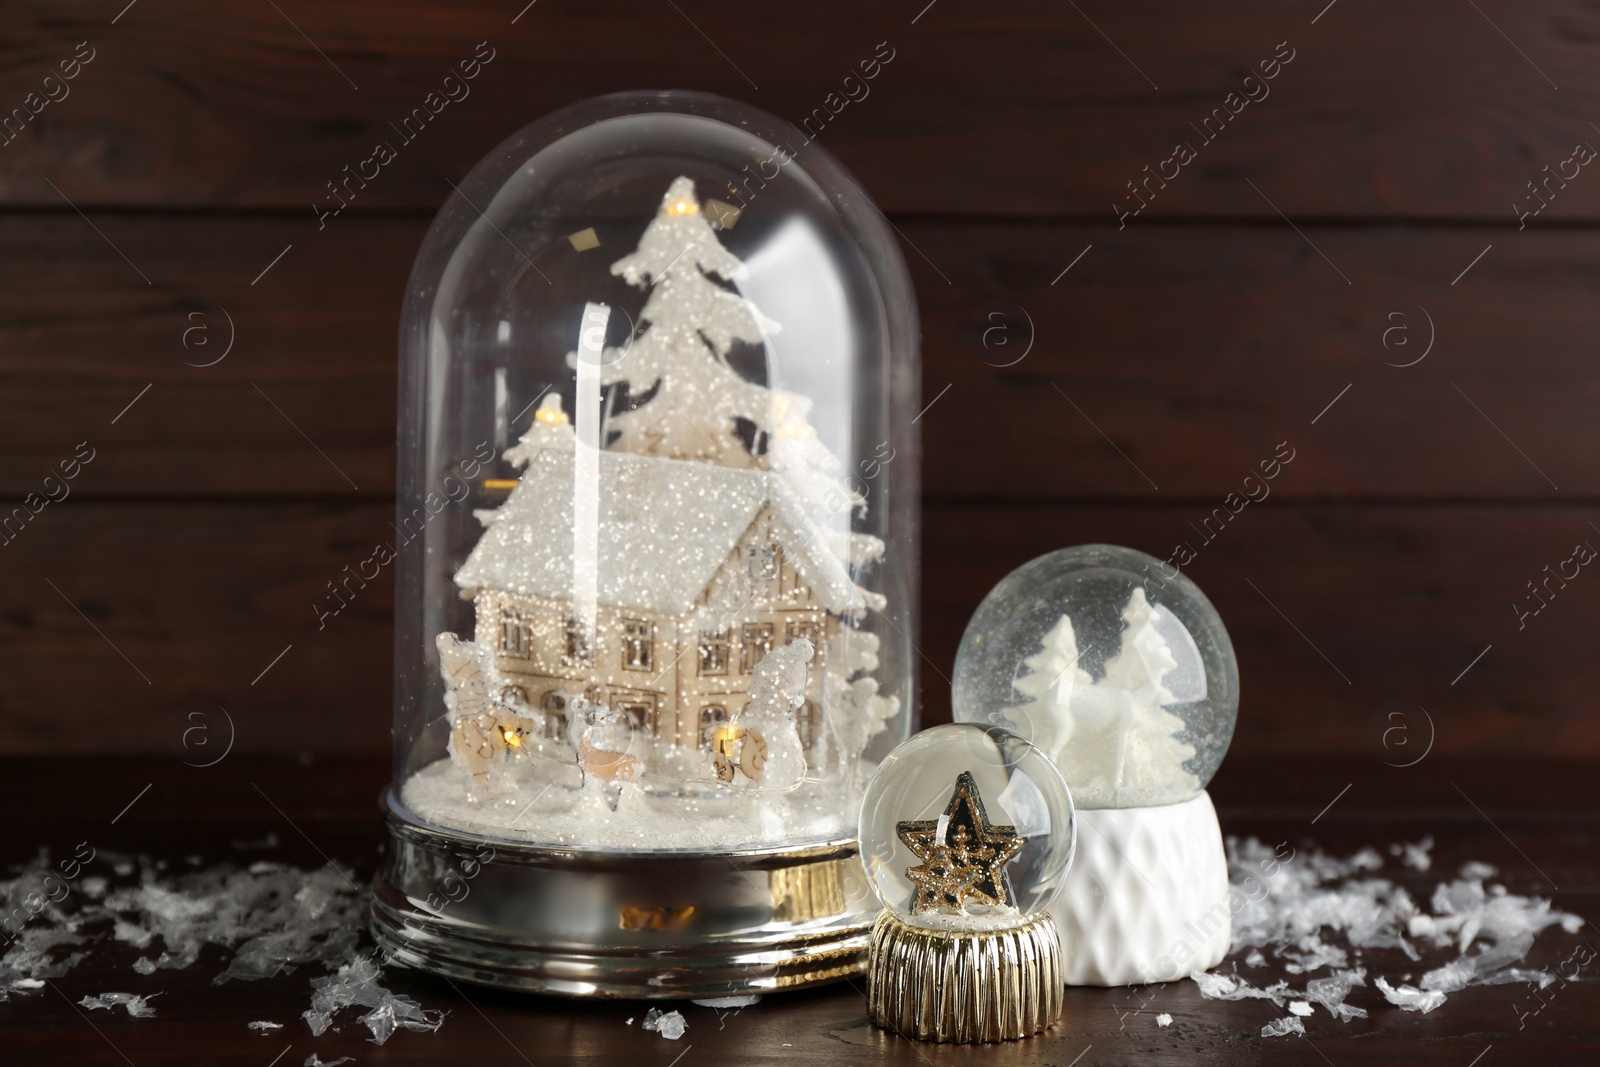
x,y
961,986
619,925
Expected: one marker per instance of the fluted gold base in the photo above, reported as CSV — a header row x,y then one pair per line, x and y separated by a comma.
x,y
962,987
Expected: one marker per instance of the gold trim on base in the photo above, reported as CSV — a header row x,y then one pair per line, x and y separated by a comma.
x,y
964,986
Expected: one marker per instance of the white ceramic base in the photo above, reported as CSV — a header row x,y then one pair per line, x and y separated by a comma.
x,y
1146,899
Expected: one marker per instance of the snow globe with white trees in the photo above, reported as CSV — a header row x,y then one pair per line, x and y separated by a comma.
x,y
1119,668
656,556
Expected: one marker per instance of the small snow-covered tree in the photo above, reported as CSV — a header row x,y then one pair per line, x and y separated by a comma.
x,y
857,711
684,398
1113,737
1052,677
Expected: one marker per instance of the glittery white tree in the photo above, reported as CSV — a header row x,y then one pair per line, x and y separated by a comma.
x,y
684,399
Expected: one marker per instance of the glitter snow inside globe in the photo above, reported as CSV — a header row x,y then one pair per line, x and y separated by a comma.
x,y
1117,666
655,558
967,832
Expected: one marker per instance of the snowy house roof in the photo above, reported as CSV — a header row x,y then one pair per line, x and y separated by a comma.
x,y
666,527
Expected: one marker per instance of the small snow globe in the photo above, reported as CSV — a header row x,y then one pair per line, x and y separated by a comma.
x,y
655,557
1117,666
967,834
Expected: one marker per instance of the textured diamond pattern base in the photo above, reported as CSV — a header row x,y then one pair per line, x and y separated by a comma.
x,y
1146,899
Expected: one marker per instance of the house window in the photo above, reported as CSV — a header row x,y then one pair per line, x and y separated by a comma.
x,y
762,561
807,630
714,651
514,696
554,705
637,639
641,717
756,642
808,724
578,649
513,632
711,717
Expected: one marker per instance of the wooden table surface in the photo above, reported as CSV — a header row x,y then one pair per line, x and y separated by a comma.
x,y
1539,823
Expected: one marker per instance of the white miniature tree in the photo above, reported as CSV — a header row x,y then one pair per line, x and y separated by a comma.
x,y
1151,753
679,361
857,711
1113,738
1052,678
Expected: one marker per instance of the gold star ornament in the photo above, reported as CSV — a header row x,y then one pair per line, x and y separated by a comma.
x,y
963,855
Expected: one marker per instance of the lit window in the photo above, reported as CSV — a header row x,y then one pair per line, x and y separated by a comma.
x,y
714,651
513,632
637,639
711,717
756,642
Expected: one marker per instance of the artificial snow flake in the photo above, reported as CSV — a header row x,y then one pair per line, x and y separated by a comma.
x,y
1331,992
263,1026
314,1060
669,1024
1163,1019
138,1007
1289,1024
1410,998
1415,856
1233,987
1300,1007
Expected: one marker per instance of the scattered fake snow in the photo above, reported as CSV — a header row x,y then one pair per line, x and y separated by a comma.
x,y
268,918
1163,1019
1289,912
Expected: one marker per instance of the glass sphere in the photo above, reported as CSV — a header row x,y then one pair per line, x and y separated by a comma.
x,y
1111,661
967,827
657,530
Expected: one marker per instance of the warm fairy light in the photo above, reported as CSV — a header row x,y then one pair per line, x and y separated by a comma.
x,y
553,415
684,207
512,738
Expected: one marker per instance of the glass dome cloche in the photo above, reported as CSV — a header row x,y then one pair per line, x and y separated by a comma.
x,y
657,545
1115,664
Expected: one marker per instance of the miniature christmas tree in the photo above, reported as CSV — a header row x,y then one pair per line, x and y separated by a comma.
x,y
1053,675
684,398
1112,737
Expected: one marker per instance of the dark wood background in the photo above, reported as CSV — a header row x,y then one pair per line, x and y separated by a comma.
x,y
1190,343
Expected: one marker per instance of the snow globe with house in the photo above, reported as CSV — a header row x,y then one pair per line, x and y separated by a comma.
x,y
1118,667
655,558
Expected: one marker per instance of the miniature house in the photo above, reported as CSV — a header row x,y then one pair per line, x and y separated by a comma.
x,y
700,571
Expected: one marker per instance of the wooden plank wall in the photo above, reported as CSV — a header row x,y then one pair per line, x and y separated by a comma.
x,y
1362,209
